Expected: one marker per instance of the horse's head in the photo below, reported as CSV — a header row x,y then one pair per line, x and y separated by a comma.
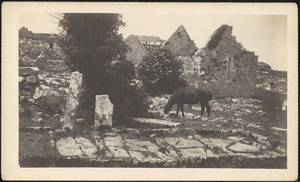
x,y
166,109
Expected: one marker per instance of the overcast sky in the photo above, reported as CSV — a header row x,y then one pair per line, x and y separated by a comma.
x,y
265,35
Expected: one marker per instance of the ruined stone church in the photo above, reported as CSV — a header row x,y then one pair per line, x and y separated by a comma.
x,y
223,65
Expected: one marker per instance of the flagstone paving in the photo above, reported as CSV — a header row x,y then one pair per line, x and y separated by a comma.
x,y
168,151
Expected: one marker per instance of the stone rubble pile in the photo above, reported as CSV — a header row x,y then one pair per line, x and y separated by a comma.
x,y
28,81
239,106
35,48
271,82
37,53
157,105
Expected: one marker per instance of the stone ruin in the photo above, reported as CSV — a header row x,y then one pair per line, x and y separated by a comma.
x,y
223,66
137,50
180,43
229,69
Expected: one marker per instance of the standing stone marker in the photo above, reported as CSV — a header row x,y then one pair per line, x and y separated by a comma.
x,y
72,100
103,111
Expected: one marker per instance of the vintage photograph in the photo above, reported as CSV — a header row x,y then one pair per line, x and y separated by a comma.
x,y
121,90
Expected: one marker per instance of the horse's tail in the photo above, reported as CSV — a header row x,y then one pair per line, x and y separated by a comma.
x,y
171,102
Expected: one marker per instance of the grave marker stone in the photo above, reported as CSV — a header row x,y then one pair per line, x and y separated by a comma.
x,y
103,111
72,100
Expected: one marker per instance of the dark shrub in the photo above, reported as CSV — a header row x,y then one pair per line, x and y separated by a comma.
x,y
94,47
160,72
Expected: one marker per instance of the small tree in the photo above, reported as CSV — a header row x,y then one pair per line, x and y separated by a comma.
x,y
160,72
94,47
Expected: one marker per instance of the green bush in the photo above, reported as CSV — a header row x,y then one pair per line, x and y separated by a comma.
x,y
160,72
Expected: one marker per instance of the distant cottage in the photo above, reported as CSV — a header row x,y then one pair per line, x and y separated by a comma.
x,y
140,45
150,40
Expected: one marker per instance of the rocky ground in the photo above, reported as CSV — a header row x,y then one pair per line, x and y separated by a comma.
x,y
241,132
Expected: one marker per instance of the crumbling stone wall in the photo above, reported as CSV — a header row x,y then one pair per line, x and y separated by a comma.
x,y
39,53
137,50
180,43
228,68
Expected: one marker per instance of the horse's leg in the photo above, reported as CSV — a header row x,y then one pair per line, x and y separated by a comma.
x,y
178,106
182,110
202,109
208,109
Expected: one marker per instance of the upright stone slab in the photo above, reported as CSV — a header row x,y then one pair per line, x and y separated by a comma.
x,y
103,111
72,100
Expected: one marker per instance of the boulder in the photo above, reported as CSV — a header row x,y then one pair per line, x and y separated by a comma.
x,y
21,79
38,93
55,82
261,66
26,61
53,97
32,79
25,71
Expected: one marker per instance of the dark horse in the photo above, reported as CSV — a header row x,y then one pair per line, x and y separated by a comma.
x,y
189,96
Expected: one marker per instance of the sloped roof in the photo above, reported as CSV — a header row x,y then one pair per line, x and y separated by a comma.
x,y
149,38
137,50
180,43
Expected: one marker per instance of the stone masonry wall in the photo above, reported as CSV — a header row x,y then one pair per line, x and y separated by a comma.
x,y
226,67
137,50
39,53
180,43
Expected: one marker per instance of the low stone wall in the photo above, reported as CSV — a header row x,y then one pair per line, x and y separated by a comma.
x,y
28,81
55,65
52,65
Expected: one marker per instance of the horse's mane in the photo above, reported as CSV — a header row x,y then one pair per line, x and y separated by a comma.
x,y
171,102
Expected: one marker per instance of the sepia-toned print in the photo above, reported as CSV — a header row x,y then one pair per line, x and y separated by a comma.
x,y
90,96
107,92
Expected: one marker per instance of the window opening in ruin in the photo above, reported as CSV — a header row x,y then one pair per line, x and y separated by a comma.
x,y
230,68
51,45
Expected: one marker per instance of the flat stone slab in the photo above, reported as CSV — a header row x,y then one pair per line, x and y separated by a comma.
x,y
240,147
81,147
145,146
86,146
136,155
220,142
118,152
68,147
136,147
114,141
183,143
193,152
25,71
156,121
